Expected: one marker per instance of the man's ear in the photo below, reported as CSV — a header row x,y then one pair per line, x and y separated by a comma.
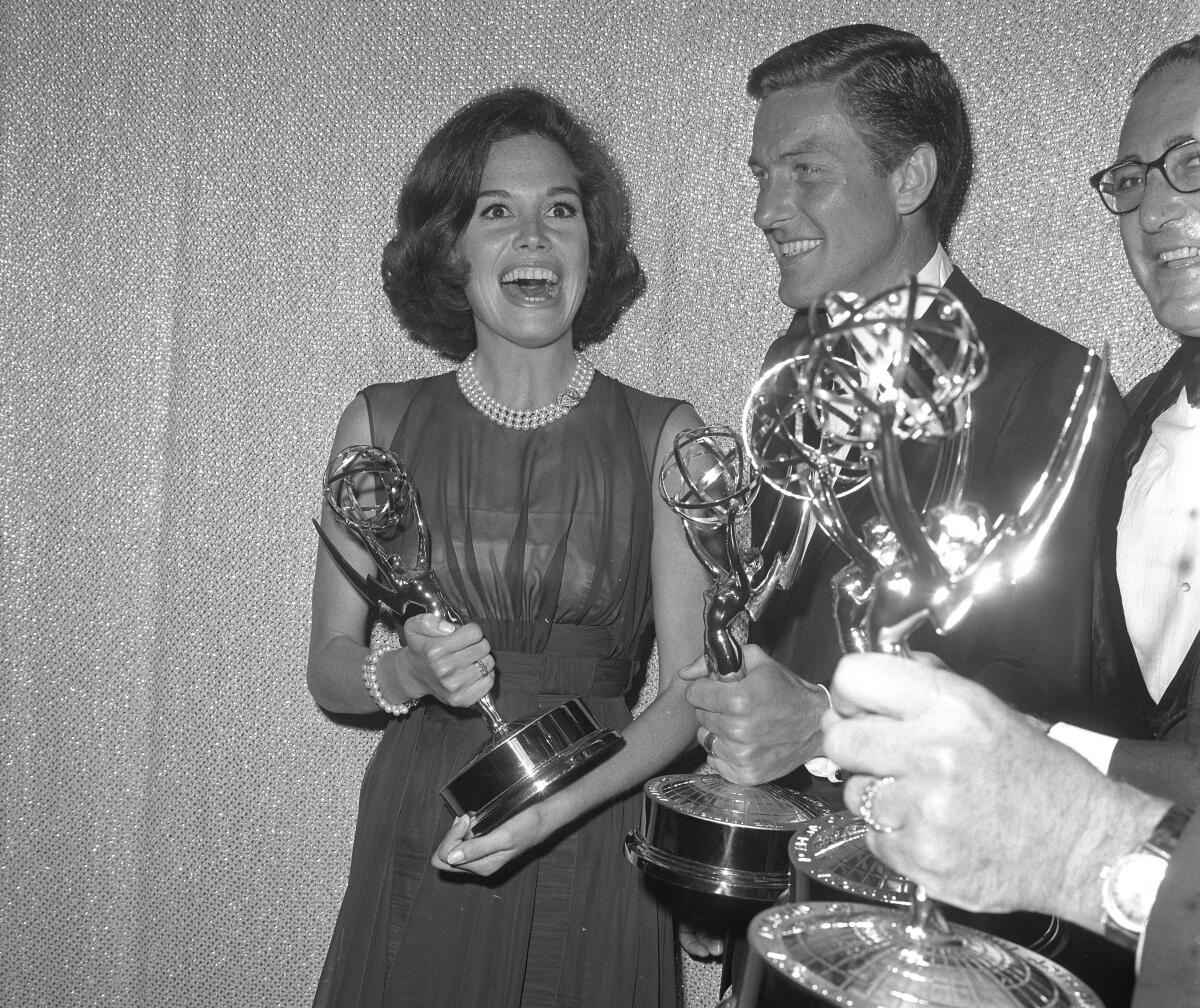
x,y
914,178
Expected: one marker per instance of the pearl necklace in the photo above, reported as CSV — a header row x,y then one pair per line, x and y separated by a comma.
x,y
576,389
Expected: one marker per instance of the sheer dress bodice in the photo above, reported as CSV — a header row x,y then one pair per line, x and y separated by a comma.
x,y
543,538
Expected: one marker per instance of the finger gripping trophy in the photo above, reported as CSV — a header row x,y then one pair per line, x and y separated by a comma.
x,y
369,491
876,378
700,831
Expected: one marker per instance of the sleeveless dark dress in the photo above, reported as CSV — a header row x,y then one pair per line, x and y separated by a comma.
x,y
543,538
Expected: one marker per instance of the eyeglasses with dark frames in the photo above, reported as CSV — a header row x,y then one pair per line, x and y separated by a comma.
x,y
1121,186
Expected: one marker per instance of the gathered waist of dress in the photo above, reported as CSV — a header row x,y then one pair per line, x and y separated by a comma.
x,y
558,675
570,663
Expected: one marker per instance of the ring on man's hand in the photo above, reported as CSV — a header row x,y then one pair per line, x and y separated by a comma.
x,y
707,740
866,804
483,669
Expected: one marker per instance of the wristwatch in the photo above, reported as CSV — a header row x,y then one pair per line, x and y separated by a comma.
x,y
1130,884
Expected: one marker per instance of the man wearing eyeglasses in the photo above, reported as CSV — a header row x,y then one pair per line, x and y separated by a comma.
x,y
1147,618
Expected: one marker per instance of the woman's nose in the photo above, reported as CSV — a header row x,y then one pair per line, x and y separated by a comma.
x,y
531,234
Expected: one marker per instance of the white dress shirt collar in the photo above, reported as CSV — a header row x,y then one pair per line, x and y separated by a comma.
x,y
934,273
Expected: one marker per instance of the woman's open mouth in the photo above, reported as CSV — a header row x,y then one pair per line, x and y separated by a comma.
x,y
530,284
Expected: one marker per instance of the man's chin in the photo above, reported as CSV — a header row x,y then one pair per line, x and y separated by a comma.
x,y
1180,316
796,297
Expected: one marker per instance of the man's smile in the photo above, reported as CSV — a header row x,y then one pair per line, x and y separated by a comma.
x,y
1183,256
794,248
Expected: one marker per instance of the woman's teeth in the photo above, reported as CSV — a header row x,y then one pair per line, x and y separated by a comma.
x,y
530,274
534,283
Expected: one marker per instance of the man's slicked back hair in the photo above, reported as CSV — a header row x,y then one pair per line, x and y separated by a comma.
x,y
896,91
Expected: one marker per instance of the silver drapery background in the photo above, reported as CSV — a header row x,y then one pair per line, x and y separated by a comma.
x,y
192,203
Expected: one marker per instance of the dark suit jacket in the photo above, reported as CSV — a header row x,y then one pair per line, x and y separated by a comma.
x,y
1170,972
1160,750
1030,645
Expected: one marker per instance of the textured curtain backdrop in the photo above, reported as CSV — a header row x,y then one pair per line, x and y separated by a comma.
x,y
192,204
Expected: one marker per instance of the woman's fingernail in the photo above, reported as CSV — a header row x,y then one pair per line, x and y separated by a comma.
x,y
454,857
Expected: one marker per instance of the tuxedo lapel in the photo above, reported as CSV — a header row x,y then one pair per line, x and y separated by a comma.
x,y
966,292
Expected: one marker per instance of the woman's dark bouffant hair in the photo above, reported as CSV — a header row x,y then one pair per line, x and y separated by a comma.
x,y
425,278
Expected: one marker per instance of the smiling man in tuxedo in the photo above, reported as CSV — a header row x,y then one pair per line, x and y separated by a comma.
x,y
1147,618
862,153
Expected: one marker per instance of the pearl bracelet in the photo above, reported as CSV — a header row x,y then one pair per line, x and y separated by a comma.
x,y
371,681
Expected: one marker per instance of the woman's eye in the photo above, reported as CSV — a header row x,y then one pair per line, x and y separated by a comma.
x,y
494,211
564,210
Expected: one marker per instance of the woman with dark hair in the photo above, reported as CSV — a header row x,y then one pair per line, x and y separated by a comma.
x,y
536,477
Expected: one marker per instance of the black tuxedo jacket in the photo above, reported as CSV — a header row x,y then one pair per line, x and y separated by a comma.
x,y
1030,644
1170,972
1160,750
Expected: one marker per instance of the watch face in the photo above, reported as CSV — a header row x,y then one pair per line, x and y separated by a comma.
x,y
1130,888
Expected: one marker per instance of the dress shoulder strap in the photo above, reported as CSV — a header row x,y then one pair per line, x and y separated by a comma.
x,y
650,414
387,404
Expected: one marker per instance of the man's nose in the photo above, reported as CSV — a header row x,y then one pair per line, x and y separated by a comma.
x,y
1161,202
776,202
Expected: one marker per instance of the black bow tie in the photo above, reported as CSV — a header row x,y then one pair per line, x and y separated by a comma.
x,y
1189,358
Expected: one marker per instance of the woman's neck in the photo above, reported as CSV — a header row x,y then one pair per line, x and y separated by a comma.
x,y
524,379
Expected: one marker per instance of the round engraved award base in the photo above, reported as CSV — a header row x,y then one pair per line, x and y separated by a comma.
x,y
832,850
703,833
878,957
529,760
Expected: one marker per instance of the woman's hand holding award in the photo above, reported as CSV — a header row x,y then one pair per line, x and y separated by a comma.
x,y
368,489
